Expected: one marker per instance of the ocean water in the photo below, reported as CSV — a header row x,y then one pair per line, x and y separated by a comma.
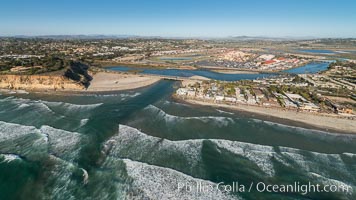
x,y
142,144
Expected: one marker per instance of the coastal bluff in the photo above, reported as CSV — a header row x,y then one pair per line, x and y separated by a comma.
x,y
74,78
39,82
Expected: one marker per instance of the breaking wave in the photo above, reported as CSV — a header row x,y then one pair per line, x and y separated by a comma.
x,y
55,148
83,122
132,144
21,103
122,95
28,141
72,107
49,106
309,132
217,120
9,158
155,182
224,112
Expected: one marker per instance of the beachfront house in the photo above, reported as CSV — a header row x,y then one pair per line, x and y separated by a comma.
x,y
219,98
182,91
191,93
231,99
309,107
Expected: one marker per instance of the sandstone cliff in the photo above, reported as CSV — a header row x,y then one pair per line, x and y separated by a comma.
x,y
74,78
39,82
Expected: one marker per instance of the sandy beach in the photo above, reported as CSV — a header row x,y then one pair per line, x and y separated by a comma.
x,y
320,121
106,81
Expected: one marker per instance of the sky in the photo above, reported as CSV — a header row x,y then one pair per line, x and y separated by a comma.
x,y
180,18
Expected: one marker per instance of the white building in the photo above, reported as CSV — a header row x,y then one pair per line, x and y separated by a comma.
x,y
266,57
182,91
219,98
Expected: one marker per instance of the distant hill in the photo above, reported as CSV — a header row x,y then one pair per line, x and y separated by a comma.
x,y
68,37
265,38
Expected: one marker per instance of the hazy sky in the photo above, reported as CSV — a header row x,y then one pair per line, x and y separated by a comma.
x,y
219,18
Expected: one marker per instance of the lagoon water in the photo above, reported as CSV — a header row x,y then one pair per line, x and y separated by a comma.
x,y
317,51
308,68
140,144
189,73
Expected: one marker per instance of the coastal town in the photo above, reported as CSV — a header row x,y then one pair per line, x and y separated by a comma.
x,y
325,93
83,62
40,55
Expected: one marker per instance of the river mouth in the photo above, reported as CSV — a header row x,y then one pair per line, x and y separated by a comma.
x,y
125,141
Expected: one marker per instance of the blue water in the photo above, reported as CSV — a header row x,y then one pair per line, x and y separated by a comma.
x,y
325,51
189,73
310,68
317,51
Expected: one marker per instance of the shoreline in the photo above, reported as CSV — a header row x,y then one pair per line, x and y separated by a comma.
x,y
102,82
304,120
108,82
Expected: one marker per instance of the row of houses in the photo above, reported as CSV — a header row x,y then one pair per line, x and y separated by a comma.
x,y
295,101
216,94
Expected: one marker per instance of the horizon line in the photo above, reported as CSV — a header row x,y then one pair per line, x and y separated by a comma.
x,y
172,37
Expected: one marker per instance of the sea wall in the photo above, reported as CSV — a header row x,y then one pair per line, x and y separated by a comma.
x,y
39,82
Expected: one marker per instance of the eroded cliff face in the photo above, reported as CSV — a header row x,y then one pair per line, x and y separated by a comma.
x,y
39,82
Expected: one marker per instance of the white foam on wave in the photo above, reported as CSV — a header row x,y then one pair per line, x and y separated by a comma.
x,y
122,95
132,143
306,131
11,131
259,154
332,182
72,107
225,112
9,158
319,163
26,141
55,146
23,103
83,122
162,183
46,105
59,142
128,95
349,155
7,91
62,143
218,120
59,180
